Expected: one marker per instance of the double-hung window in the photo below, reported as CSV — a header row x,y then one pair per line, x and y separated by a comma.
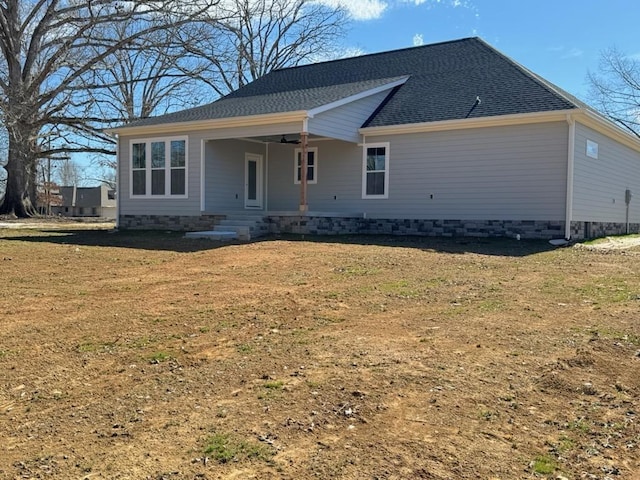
x,y
375,170
312,165
159,167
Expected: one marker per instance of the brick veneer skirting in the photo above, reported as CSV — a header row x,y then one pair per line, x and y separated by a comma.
x,y
432,228
582,230
326,225
169,222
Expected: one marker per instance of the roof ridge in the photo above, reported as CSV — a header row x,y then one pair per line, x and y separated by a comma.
x,y
373,54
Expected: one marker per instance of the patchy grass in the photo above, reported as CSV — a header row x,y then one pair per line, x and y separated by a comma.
x,y
159,357
345,357
224,447
543,465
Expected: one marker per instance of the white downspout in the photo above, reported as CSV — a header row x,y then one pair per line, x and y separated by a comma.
x,y
118,192
570,165
266,177
363,172
203,146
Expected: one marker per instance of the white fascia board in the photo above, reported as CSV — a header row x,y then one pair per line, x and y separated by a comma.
x,y
497,121
357,96
586,117
180,127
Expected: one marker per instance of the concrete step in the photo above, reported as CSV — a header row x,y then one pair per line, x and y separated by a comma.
x,y
243,232
247,226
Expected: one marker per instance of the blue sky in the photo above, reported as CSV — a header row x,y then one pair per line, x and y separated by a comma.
x,y
560,40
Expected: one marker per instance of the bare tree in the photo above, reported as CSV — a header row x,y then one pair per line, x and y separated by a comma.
x,y
249,38
4,151
240,41
69,173
70,68
49,50
615,89
152,77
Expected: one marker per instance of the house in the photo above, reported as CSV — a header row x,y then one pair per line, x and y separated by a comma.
x,y
445,139
86,202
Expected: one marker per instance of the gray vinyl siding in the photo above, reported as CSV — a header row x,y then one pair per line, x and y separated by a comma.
x,y
343,122
160,206
224,173
191,205
338,175
506,173
498,173
600,184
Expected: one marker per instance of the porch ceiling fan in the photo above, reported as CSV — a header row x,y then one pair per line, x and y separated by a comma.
x,y
284,140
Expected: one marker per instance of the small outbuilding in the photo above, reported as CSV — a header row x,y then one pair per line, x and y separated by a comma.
x,y
75,201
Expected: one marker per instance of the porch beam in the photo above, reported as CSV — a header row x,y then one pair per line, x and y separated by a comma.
x,y
304,207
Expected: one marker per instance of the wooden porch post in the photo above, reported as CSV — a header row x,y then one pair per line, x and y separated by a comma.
x,y
303,172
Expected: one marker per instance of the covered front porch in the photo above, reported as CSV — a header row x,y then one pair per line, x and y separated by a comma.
x,y
266,175
253,185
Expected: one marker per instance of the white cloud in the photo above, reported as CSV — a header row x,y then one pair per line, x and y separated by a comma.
x,y
573,53
374,9
360,9
565,52
453,3
418,40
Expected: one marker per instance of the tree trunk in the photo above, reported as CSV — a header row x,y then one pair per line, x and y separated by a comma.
x,y
21,168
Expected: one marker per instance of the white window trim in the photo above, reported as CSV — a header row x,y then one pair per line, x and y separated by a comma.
x,y
315,166
167,141
386,170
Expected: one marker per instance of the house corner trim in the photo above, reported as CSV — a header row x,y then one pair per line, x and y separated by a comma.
x,y
570,170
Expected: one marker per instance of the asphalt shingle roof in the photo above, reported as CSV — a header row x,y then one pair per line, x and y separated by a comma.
x,y
444,81
271,102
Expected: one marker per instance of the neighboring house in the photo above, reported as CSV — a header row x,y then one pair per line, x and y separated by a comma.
x,y
86,202
445,139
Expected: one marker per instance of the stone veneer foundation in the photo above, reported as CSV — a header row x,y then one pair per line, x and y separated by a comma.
x,y
332,225
169,222
583,230
432,228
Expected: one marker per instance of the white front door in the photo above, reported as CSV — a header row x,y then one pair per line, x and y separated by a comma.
x,y
253,180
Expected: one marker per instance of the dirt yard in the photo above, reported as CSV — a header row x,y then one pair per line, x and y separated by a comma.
x,y
149,356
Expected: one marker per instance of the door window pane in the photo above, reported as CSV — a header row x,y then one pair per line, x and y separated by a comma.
x,y
252,180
